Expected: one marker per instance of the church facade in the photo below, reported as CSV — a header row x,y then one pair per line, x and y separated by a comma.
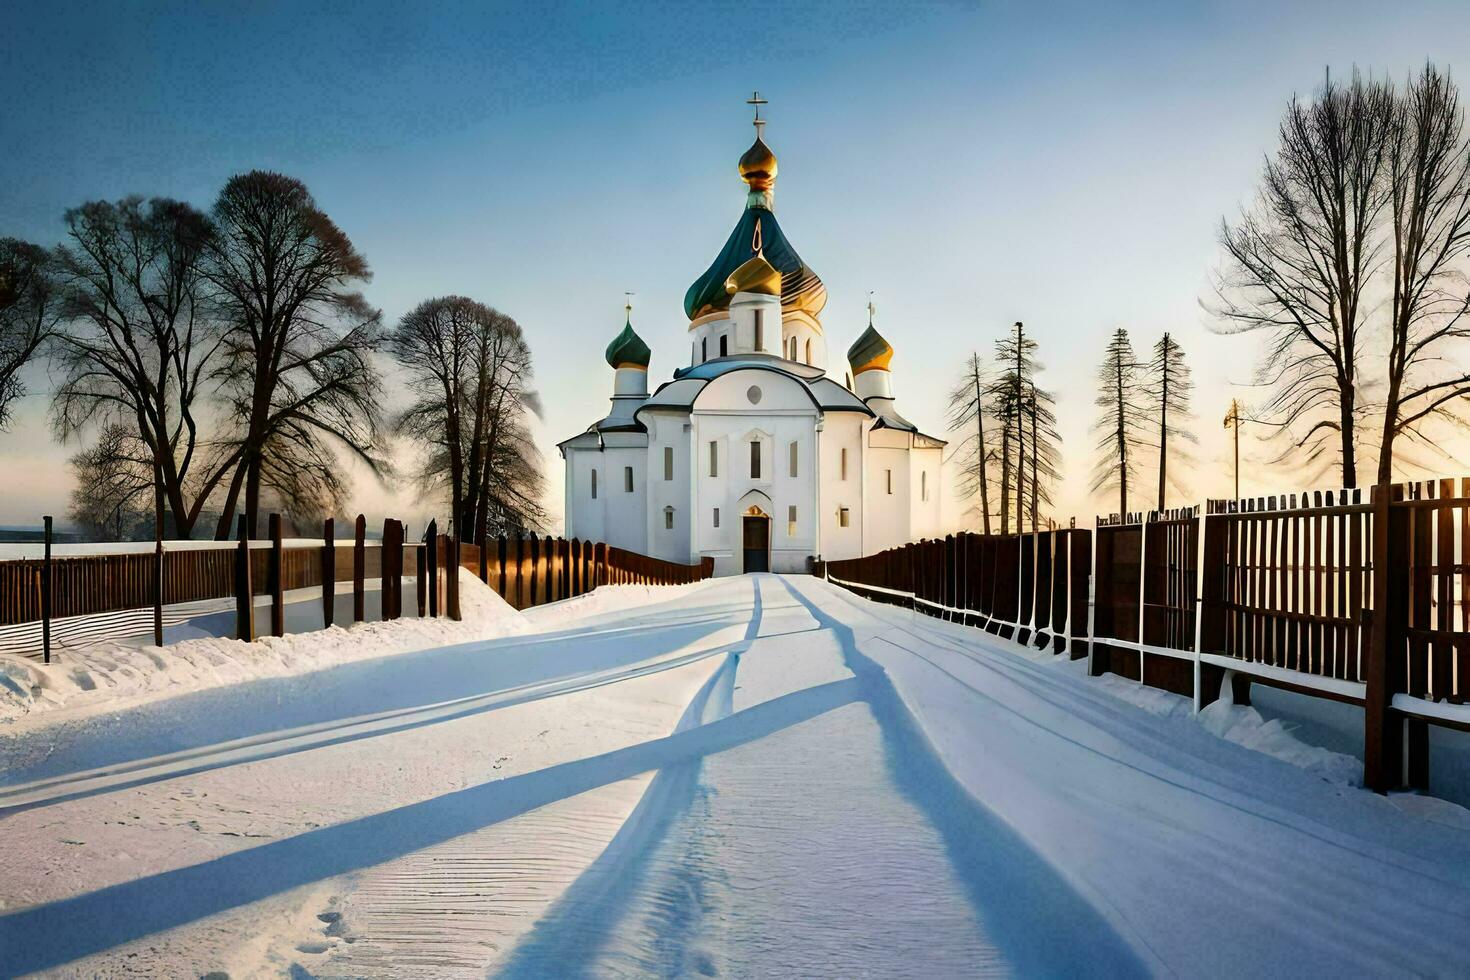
x,y
752,455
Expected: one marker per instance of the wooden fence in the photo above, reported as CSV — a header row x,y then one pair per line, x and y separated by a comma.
x,y
1324,593
1032,588
529,571
93,597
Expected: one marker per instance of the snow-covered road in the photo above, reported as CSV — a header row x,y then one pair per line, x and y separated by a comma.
x,y
763,776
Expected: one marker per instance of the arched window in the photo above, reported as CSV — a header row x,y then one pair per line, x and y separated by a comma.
x,y
628,479
924,485
594,484
724,344
668,518
808,351
760,331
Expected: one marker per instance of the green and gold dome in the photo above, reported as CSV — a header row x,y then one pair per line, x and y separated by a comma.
x,y
870,352
628,350
757,235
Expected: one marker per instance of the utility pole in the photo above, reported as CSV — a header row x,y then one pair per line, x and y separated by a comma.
x,y
1232,421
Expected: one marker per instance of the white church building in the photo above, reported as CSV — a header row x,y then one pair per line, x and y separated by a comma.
x,y
752,455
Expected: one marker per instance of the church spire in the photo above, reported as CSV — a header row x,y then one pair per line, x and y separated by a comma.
x,y
758,164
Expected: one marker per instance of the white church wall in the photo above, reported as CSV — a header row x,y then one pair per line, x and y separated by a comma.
x,y
842,431
802,340
705,334
926,490
778,414
668,485
888,519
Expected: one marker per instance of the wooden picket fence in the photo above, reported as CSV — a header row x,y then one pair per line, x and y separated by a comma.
x,y
529,570
1325,593
1032,588
75,600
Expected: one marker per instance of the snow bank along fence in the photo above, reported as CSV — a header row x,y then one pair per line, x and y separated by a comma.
x,y
71,600
1358,596
529,571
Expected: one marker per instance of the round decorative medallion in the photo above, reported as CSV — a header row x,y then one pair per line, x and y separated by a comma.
x,y
754,394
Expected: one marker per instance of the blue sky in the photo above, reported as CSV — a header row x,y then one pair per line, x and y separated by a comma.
x,y
973,164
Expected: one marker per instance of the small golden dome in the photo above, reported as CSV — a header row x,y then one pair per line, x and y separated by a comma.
x,y
758,166
755,275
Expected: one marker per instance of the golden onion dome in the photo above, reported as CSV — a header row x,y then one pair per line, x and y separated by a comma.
x,y
758,166
755,275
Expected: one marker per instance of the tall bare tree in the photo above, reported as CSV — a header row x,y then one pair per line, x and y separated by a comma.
x,y
1428,179
30,306
139,343
1298,263
111,498
1167,389
469,369
967,408
297,367
1121,425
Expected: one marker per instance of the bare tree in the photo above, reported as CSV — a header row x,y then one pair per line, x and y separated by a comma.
x,y
469,368
110,501
1167,389
1298,264
967,407
138,344
30,306
297,367
1120,426
1428,178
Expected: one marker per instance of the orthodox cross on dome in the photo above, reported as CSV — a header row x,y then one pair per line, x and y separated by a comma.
x,y
760,124
628,306
871,308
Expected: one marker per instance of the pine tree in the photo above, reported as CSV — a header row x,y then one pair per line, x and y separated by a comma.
x,y
1029,441
1168,390
967,408
1122,398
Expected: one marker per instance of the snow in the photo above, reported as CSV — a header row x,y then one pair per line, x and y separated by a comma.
x,y
116,674
761,775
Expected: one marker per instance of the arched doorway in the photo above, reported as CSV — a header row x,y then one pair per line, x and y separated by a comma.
x,y
755,532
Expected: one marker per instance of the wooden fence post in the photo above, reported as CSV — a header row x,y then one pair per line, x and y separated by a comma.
x,y
392,576
431,543
500,558
484,558
275,578
1382,732
329,571
531,599
244,589
451,580
46,597
421,580
359,569
157,584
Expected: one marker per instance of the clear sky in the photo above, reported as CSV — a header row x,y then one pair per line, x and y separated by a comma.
x,y
973,164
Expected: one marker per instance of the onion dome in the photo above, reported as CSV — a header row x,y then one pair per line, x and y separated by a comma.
x,y
757,232
628,350
870,352
758,166
755,275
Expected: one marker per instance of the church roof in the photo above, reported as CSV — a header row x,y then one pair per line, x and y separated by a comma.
x,y
826,394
